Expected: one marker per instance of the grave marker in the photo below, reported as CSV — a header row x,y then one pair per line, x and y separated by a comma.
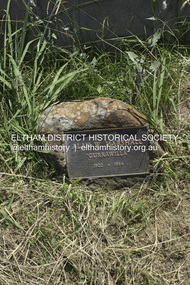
x,y
107,152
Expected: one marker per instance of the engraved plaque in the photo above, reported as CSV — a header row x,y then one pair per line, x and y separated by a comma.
x,y
107,152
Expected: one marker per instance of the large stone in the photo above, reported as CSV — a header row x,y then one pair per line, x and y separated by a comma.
x,y
99,113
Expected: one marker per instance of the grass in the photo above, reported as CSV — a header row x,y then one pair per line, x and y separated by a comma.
x,y
56,231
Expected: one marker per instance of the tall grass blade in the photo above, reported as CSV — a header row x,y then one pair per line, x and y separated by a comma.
x,y
160,85
20,80
10,38
26,49
154,95
5,82
23,36
62,82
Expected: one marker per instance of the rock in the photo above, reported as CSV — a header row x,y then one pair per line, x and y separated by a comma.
x,y
98,113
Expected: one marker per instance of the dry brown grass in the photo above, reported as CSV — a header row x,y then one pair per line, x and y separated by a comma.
x,y
184,96
68,234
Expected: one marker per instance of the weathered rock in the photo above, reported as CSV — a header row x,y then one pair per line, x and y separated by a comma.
x,y
98,113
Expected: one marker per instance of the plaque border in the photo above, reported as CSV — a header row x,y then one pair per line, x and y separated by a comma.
x,y
107,176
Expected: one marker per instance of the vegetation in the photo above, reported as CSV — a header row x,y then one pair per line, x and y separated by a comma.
x,y
56,231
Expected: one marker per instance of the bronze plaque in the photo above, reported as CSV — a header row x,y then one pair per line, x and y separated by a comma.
x,y
107,152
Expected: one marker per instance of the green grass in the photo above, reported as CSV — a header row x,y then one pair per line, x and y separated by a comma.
x,y
55,231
